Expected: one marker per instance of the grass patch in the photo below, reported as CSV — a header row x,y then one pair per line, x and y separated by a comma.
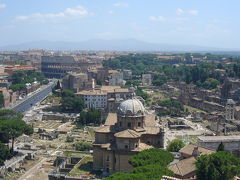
x,y
192,109
74,154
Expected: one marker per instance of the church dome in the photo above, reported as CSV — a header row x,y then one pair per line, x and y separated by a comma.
x,y
131,107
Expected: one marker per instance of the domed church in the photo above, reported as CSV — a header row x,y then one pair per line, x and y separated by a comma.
x,y
128,131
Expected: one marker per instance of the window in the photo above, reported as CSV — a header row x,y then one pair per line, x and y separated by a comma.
x,y
120,124
129,125
139,124
126,146
107,157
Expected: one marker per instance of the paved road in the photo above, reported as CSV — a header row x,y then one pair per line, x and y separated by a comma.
x,y
33,98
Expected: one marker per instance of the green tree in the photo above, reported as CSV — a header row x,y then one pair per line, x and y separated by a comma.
x,y
91,116
151,156
217,166
58,85
1,100
72,104
17,87
83,146
148,164
69,139
220,147
140,92
153,171
67,93
175,145
12,126
4,153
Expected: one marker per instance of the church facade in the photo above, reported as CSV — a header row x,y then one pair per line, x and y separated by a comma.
x,y
128,131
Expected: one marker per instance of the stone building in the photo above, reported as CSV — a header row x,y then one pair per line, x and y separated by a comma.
x,y
9,97
124,134
146,79
127,74
230,109
76,82
116,79
58,66
231,143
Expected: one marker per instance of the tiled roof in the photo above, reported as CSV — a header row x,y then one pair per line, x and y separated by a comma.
x,y
111,119
127,134
184,167
188,149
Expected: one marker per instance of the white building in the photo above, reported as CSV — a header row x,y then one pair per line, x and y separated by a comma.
x,y
94,98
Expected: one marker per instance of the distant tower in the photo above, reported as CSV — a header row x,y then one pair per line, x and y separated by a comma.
x,y
230,109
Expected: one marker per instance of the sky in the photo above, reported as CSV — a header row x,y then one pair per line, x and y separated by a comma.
x,y
210,23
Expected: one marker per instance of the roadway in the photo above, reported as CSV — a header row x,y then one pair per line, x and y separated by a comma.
x,y
33,98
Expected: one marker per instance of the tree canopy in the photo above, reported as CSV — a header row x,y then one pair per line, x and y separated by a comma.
x,y
72,104
175,145
220,147
148,164
11,127
202,74
217,166
91,116
4,153
151,156
152,171
67,93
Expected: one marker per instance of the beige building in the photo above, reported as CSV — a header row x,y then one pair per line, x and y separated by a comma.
x,y
76,81
124,134
9,97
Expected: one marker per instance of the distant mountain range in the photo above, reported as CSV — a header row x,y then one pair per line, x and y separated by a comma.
x,y
118,45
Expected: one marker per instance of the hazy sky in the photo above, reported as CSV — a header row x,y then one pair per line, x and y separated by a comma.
x,y
214,23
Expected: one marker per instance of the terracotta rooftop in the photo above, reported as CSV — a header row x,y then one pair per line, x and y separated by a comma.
x,y
150,120
121,90
188,149
142,146
184,167
92,92
127,134
109,88
111,119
